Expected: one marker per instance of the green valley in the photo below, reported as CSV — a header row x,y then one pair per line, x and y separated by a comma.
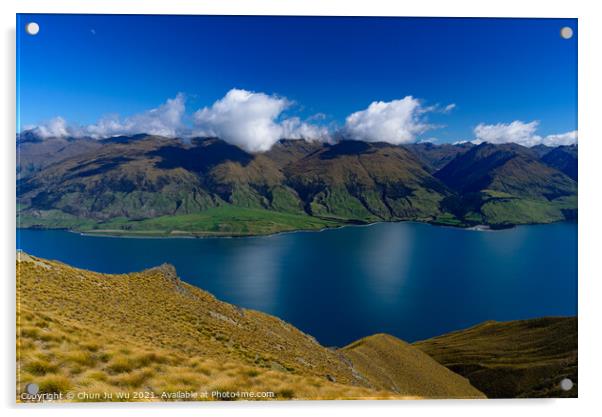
x,y
226,220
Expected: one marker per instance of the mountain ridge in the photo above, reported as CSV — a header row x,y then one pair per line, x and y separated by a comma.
x,y
146,183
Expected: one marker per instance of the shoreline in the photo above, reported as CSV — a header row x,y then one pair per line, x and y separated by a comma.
x,y
204,235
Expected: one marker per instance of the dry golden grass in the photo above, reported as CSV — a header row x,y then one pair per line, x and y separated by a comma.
x,y
147,336
394,365
521,358
78,360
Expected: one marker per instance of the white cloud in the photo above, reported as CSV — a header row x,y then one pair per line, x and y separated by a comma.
x,y
165,120
253,121
294,128
56,127
317,116
396,122
517,132
520,133
250,121
243,118
568,138
246,119
428,140
449,108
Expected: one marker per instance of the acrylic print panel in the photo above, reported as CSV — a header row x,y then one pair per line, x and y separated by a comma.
x,y
279,208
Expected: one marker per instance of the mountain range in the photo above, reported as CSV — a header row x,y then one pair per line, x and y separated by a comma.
x,y
204,186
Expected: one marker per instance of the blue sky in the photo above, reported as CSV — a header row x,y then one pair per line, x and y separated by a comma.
x,y
495,71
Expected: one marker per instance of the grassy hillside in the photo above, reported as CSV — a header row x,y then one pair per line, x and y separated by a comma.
x,y
564,159
369,182
399,367
226,220
86,332
505,185
134,180
525,358
34,154
156,185
436,156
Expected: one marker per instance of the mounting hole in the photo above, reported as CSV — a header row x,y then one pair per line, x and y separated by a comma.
x,y
566,32
32,389
566,384
32,28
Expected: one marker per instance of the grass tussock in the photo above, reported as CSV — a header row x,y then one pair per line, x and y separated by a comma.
x,y
110,337
522,358
392,364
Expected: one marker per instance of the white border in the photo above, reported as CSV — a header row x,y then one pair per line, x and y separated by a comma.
x,y
507,8
590,207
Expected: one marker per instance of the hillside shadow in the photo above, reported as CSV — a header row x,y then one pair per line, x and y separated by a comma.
x,y
125,139
105,165
345,147
200,157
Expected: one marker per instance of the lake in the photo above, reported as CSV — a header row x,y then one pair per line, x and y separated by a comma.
x,y
411,280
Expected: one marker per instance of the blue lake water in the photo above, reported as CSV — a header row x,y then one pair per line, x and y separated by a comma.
x,y
411,280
